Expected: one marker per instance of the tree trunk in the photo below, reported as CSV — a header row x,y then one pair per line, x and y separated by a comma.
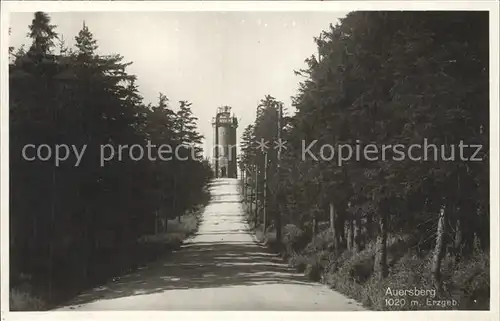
x,y
156,222
250,208
369,226
264,210
350,227
277,214
332,218
280,196
457,246
87,251
349,233
53,234
356,236
277,222
244,184
438,251
247,187
380,265
314,224
174,199
257,218
483,226
333,230
339,228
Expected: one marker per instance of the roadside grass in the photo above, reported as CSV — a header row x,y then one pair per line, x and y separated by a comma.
x,y
176,232
465,285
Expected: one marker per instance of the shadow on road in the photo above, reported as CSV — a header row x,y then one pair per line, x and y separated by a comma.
x,y
201,265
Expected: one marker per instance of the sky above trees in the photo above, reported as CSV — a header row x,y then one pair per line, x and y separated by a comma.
x,y
208,58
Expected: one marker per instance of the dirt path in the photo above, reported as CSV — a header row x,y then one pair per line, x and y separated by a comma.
x,y
220,268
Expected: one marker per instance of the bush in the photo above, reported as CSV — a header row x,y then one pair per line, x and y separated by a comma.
x,y
187,225
351,273
471,283
176,231
270,236
299,262
260,235
467,283
270,229
24,301
168,237
321,242
409,272
294,238
313,272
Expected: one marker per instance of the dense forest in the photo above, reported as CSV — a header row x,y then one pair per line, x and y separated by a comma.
x,y
78,222
367,225
362,225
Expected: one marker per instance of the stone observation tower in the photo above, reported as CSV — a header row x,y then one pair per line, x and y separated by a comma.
x,y
224,160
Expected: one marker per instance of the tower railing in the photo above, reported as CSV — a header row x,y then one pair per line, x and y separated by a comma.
x,y
224,119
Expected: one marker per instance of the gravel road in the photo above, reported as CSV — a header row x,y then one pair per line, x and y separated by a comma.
x,y
220,268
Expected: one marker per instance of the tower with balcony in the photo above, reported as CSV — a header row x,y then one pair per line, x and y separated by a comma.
x,y
224,151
